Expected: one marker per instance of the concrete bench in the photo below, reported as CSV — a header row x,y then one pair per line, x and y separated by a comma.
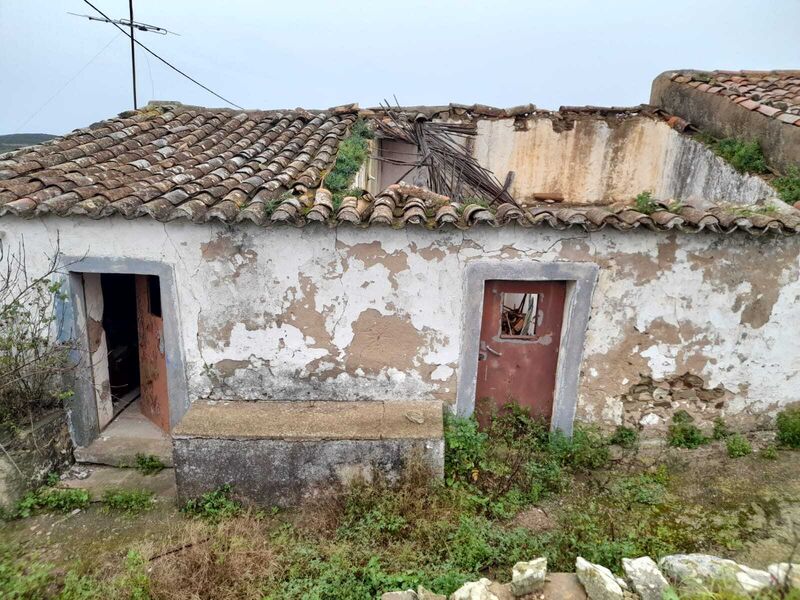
x,y
277,453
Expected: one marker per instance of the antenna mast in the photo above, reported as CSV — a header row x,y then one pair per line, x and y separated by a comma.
x,y
133,55
133,25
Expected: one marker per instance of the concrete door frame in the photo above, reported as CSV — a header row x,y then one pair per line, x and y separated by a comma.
x,y
581,279
82,410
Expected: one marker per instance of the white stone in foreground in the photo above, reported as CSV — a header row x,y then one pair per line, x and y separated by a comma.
x,y
407,595
705,570
599,582
474,590
527,577
785,573
645,577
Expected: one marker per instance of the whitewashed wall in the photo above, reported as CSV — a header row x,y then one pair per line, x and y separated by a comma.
x,y
375,313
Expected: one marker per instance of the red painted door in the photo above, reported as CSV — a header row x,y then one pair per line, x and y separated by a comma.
x,y
152,356
518,354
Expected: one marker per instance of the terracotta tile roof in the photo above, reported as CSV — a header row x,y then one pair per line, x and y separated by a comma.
x,y
400,205
199,163
266,167
774,94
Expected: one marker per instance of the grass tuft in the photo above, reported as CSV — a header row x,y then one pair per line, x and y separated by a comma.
x,y
129,501
683,433
738,446
149,464
213,506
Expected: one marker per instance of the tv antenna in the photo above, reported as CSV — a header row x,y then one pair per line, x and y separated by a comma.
x,y
133,26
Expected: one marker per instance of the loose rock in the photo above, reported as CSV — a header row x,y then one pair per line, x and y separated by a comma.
x,y
645,578
527,577
474,590
407,595
786,574
599,582
705,570
424,594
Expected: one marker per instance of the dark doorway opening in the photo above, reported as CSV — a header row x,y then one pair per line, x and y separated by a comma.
x,y
122,338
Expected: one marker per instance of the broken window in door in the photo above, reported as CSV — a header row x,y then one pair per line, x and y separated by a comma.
x,y
518,315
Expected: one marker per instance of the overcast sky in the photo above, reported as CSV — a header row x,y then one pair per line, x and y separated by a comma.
x,y
288,53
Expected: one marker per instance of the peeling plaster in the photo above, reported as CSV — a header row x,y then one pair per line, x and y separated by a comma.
x,y
355,314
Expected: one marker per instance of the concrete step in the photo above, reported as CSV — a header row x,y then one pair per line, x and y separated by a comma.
x,y
98,479
277,453
129,434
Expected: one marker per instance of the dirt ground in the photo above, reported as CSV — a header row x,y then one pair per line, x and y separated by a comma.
x,y
760,496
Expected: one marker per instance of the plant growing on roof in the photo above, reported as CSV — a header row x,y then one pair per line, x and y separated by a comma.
x,y
788,186
645,204
353,151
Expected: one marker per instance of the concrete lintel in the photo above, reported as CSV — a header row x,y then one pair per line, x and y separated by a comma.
x,y
315,420
581,279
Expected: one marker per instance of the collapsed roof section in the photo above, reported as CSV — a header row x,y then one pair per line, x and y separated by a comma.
x,y
174,162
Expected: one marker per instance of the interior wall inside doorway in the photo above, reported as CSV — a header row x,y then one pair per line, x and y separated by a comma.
x,y
122,336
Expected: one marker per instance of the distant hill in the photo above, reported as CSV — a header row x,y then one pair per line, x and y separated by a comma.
x,y
12,141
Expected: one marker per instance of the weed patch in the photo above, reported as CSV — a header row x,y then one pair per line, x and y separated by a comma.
x,y
645,204
52,499
721,429
788,423
353,151
213,506
129,501
788,186
148,464
517,461
625,437
683,433
738,446
745,157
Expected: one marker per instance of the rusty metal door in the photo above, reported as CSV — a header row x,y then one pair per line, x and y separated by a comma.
x,y
152,353
520,337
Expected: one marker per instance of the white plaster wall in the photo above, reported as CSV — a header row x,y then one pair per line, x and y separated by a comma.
x,y
375,313
611,159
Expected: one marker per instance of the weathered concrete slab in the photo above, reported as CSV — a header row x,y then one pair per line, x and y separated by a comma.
x,y
131,433
312,420
278,453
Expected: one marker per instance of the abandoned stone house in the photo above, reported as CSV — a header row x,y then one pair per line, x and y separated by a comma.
x,y
226,301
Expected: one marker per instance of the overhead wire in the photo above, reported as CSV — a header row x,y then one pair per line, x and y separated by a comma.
x,y
64,86
170,65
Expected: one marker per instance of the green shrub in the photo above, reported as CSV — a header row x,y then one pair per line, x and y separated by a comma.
x,y
788,423
465,449
683,433
745,157
149,464
769,452
626,437
52,499
645,204
130,501
788,186
213,506
721,430
738,446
